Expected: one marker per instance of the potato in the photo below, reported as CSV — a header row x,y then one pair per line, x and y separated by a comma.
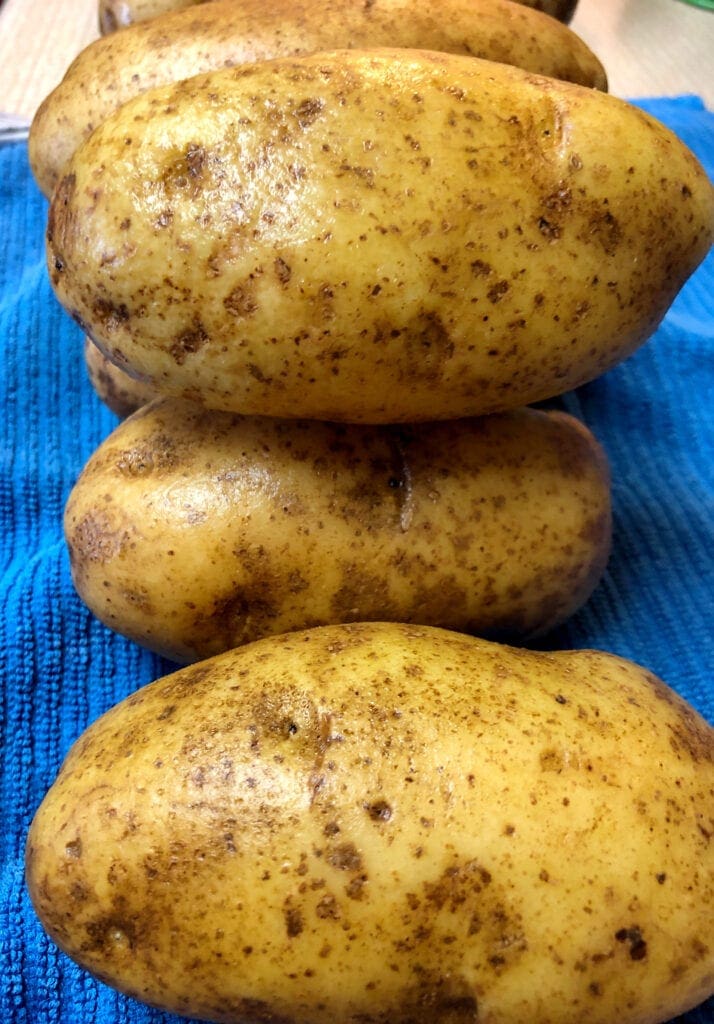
x,y
192,532
115,14
120,392
175,46
394,824
375,236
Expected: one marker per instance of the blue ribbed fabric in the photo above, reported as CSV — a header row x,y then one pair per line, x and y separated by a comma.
x,y
60,669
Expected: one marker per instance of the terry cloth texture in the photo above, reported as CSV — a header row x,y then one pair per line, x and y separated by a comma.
x,y
61,669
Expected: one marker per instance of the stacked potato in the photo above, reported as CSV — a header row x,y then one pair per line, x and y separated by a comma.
x,y
347,272
114,14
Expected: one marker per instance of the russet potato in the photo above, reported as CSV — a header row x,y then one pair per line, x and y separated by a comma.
x,y
114,69
375,236
193,531
389,824
115,14
120,392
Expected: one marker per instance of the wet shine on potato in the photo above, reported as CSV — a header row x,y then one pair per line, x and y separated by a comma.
x,y
111,71
378,236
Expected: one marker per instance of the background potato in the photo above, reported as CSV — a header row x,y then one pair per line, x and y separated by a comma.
x,y
114,14
375,236
193,532
122,393
393,824
175,46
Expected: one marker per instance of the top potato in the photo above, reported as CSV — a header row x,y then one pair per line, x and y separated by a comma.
x,y
188,42
375,236
115,14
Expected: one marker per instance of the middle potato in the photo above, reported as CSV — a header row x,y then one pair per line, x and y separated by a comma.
x,y
193,531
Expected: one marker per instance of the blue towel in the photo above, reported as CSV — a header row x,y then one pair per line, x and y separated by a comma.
x,y
61,669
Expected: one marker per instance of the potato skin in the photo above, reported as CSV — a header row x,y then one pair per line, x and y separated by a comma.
x,y
120,392
481,240
175,46
192,532
116,14
389,824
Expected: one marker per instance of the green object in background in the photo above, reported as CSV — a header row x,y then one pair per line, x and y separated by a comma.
x,y
707,5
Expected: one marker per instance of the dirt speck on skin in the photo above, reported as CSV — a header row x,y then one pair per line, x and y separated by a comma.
x,y
294,923
428,347
153,455
95,539
188,343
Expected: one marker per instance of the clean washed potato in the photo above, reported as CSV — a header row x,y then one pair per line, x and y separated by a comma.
x,y
389,824
120,392
115,14
169,48
375,236
193,531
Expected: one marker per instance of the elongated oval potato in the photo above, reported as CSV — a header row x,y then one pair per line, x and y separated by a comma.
x,y
378,236
192,531
394,824
120,392
175,46
115,14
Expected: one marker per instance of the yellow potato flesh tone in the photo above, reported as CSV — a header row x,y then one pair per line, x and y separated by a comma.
x,y
193,531
394,824
375,237
112,70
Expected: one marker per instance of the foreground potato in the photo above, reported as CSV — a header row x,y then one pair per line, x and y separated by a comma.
x,y
112,70
115,14
122,393
375,236
394,824
192,532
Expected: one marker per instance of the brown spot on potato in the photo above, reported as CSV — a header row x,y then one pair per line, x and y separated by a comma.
x,y
308,111
241,301
633,936
110,316
188,343
428,347
479,268
380,810
355,888
498,291
345,857
283,271
328,909
195,160
439,999
359,594
155,454
551,761
73,849
95,538
294,923
605,228
548,228
109,936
